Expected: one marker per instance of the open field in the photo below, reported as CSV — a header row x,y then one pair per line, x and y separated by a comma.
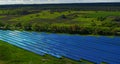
x,y
74,22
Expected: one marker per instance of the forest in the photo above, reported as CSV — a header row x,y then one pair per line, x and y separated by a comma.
x,y
96,19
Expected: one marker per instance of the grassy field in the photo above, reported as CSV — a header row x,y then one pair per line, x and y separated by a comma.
x,y
78,22
81,17
10,54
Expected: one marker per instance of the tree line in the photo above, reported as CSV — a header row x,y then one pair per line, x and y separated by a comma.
x,y
61,28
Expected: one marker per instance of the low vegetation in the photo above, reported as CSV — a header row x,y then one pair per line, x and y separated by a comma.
x,y
73,22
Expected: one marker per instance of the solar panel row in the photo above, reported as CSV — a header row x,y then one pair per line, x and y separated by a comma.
x,y
95,49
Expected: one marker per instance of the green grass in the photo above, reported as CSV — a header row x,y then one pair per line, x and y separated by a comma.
x,y
83,18
81,22
103,14
10,54
41,15
2,16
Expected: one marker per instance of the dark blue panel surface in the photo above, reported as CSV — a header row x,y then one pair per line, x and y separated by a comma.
x,y
92,48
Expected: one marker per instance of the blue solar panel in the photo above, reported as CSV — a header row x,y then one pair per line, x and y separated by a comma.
x,y
95,49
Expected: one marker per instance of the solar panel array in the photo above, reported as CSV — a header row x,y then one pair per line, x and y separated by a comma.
x,y
92,48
